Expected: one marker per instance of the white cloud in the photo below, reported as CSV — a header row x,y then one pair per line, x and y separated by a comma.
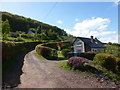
x,y
93,26
76,19
90,26
109,39
68,30
107,33
59,21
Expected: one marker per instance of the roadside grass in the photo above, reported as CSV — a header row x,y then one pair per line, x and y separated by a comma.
x,y
18,39
113,76
39,56
49,58
64,65
92,69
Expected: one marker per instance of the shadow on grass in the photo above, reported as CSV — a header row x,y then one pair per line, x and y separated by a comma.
x,y
90,69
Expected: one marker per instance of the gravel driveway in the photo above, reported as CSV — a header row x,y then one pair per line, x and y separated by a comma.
x,y
39,73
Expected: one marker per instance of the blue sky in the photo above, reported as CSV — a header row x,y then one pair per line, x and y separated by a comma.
x,y
83,19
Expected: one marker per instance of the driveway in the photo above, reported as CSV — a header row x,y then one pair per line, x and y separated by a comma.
x,y
38,73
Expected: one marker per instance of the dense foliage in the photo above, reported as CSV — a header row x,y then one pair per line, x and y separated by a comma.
x,y
10,50
113,48
42,31
47,52
5,29
88,55
65,52
44,51
118,64
105,60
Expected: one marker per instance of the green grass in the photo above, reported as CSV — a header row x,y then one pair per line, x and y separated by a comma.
x,y
113,49
39,56
17,40
60,54
64,65
87,69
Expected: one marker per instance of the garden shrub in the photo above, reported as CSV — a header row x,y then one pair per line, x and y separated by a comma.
x,y
12,49
118,64
105,60
65,52
51,45
67,46
76,62
88,55
46,52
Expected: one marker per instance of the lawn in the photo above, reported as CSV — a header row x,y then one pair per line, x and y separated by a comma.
x,y
60,54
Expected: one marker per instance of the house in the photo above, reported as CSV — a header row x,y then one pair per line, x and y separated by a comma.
x,y
82,44
31,32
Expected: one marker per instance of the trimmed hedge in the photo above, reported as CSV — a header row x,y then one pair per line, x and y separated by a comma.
x,y
65,52
47,52
118,64
51,45
10,51
105,60
88,55
44,51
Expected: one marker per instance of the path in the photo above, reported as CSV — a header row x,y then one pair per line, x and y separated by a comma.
x,y
46,74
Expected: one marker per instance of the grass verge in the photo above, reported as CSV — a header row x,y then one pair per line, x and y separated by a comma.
x,y
39,56
64,65
91,69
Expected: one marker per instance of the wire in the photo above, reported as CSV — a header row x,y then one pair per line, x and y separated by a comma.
x,y
50,10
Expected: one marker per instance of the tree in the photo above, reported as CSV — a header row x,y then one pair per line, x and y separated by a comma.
x,y
5,28
38,29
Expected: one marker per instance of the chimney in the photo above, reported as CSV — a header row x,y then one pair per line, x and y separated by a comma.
x,y
96,39
92,39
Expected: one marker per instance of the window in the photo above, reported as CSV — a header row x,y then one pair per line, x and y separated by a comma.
x,y
79,44
94,50
96,42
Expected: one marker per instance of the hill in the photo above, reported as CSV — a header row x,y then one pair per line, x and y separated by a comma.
x,y
24,24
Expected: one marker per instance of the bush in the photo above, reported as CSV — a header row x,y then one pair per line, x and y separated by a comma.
x,y
105,60
44,51
67,46
27,35
88,55
76,62
65,52
51,45
118,64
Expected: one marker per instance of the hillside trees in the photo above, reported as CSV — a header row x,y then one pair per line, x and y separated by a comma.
x,y
5,29
20,23
41,31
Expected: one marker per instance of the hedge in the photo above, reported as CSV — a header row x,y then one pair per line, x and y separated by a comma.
x,y
118,64
88,55
12,49
47,52
105,60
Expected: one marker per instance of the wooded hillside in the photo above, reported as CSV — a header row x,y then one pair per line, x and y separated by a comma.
x,y
20,23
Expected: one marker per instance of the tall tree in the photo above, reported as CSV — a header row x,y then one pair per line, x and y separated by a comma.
x,y
38,29
6,28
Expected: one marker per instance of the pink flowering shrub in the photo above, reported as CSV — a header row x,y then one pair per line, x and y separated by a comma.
x,y
76,62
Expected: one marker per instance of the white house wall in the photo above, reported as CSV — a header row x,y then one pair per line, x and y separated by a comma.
x,y
97,49
77,47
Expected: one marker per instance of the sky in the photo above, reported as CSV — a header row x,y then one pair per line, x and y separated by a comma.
x,y
83,19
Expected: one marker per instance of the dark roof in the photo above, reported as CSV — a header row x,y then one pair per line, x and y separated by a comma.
x,y
94,44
